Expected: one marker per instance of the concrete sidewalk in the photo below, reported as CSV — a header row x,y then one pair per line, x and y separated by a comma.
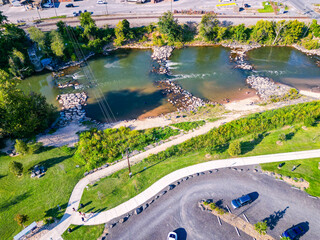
x,y
73,218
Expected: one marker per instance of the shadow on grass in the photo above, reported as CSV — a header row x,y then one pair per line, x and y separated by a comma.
x,y
51,162
15,200
248,146
146,168
2,176
55,212
274,218
290,135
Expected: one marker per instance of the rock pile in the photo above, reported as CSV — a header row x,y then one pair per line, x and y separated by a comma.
x,y
266,88
161,55
180,98
239,56
72,107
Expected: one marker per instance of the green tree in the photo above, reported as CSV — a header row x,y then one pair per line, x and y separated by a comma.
x,y
282,137
293,31
21,147
234,148
122,32
263,32
3,18
86,19
16,168
37,36
315,28
208,27
57,44
261,227
239,33
170,27
21,219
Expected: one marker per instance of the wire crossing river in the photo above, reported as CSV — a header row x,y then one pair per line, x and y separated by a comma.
x,y
126,78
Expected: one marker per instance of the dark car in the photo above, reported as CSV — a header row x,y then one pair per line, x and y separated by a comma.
x,y
239,202
294,232
70,5
246,5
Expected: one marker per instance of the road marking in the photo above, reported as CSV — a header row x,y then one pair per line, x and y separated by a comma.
x,y
219,220
228,209
245,217
237,231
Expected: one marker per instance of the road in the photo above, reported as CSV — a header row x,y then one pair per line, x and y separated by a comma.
x,y
305,7
277,202
116,7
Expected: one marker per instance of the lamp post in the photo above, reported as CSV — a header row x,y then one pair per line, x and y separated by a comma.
x,y
106,8
127,154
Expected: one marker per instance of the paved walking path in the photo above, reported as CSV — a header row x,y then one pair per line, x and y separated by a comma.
x,y
73,218
70,217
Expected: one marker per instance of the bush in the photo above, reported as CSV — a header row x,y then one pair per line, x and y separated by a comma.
x,y
21,219
234,148
261,227
21,147
282,137
187,126
309,121
48,220
16,168
26,148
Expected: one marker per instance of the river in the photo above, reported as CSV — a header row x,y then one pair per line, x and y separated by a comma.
x,y
125,80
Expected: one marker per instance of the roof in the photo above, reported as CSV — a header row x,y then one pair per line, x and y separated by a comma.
x,y
25,231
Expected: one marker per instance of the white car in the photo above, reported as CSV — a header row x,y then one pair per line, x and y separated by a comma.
x,y
172,236
101,2
48,5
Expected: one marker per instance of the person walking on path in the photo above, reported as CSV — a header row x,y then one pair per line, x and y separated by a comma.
x,y
82,219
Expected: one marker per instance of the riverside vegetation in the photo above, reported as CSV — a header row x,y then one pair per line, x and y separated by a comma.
x,y
38,198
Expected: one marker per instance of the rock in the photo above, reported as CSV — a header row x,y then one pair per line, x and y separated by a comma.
x,y
138,210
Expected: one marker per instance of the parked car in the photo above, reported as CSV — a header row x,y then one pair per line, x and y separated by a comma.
x,y
294,232
70,5
246,5
47,5
16,4
172,236
101,2
239,202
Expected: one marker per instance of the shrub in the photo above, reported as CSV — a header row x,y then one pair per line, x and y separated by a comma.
x,y
282,137
187,126
309,121
16,168
234,148
48,220
261,227
21,219
21,147
34,147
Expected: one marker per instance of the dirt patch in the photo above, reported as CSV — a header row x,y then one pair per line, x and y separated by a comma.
x,y
299,183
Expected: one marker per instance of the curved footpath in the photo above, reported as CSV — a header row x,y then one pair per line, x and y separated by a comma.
x,y
71,217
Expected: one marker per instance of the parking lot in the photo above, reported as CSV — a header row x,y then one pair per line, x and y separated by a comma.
x,y
277,202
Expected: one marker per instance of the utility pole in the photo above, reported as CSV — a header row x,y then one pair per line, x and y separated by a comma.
x,y
171,6
127,153
106,8
54,6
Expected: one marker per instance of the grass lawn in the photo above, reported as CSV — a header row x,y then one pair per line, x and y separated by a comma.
x,y
266,8
307,169
37,198
118,188
84,232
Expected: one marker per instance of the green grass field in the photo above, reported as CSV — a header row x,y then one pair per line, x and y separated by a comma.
x,y
84,232
118,188
37,198
266,8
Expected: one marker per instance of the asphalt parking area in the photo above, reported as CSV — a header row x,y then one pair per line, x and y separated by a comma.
x,y
177,210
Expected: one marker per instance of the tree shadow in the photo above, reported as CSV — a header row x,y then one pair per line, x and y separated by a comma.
x,y
86,204
55,212
146,168
274,218
182,233
2,176
248,146
15,200
51,162
126,104
290,135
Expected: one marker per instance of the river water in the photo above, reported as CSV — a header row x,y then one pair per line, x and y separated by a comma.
x,y
125,80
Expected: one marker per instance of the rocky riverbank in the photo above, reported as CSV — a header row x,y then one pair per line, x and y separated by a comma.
x,y
180,98
72,104
266,88
161,55
304,50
